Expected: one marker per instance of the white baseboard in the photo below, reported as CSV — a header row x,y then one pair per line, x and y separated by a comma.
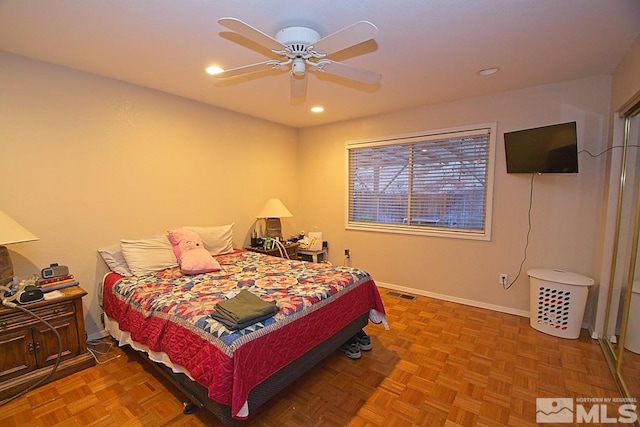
x,y
493,307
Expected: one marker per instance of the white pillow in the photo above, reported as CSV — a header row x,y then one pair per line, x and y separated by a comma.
x,y
114,258
217,240
145,256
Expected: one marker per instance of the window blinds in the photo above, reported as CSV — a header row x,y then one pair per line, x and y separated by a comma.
x,y
427,181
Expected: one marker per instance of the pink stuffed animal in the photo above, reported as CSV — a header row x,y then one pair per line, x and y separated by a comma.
x,y
190,252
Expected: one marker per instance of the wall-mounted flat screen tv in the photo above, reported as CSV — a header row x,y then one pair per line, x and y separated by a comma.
x,y
547,149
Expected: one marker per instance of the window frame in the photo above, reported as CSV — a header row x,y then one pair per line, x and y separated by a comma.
x,y
425,136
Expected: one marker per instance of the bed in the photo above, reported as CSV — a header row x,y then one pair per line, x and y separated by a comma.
x,y
167,315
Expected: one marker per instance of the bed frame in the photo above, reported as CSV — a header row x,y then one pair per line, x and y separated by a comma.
x,y
197,395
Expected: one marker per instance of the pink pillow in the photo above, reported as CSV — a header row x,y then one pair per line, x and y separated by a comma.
x,y
190,252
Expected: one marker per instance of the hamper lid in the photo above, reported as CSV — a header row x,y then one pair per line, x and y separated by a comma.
x,y
560,276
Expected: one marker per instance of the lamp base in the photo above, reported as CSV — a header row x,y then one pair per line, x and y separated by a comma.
x,y
274,228
6,267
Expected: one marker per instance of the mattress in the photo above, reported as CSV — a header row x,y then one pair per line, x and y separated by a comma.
x,y
168,316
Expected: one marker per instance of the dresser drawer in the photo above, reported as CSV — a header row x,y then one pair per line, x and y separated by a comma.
x,y
292,251
20,319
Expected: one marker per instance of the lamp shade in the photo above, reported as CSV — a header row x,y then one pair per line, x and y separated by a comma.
x,y
274,208
12,232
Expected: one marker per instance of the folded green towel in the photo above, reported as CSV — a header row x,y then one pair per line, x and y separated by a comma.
x,y
243,310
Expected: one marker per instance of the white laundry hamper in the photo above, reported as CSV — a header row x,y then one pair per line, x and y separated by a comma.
x,y
558,299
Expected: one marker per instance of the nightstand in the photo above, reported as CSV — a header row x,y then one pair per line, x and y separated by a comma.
x,y
291,248
313,256
30,348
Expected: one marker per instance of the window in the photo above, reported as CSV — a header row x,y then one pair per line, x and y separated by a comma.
x,y
435,183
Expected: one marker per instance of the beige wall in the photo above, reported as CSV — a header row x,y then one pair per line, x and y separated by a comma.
x,y
626,83
87,161
565,211
625,91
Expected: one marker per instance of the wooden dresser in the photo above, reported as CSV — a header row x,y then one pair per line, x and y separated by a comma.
x,y
29,348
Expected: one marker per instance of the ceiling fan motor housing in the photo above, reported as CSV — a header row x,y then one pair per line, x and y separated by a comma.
x,y
298,39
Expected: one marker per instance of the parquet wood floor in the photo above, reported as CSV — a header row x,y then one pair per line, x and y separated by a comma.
x,y
441,364
631,372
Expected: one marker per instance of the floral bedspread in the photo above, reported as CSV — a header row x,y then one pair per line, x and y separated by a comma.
x,y
170,312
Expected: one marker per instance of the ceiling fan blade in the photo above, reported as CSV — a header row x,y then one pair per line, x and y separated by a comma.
x,y
339,69
251,33
248,69
298,86
349,36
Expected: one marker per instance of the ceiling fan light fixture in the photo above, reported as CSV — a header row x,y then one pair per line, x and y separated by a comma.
x,y
298,68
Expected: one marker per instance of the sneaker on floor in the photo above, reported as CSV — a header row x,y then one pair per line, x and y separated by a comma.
x,y
364,342
351,349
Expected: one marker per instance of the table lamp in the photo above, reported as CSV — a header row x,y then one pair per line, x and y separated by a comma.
x,y
272,211
10,232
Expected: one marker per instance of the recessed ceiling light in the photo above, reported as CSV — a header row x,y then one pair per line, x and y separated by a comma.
x,y
214,69
317,109
488,71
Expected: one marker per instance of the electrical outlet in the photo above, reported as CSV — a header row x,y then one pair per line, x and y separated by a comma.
x,y
504,278
347,253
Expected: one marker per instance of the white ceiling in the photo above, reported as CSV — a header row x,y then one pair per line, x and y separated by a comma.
x,y
428,51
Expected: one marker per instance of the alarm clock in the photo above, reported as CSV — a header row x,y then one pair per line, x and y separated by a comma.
x,y
54,270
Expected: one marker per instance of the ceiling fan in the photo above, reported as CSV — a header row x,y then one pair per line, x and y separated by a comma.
x,y
302,49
